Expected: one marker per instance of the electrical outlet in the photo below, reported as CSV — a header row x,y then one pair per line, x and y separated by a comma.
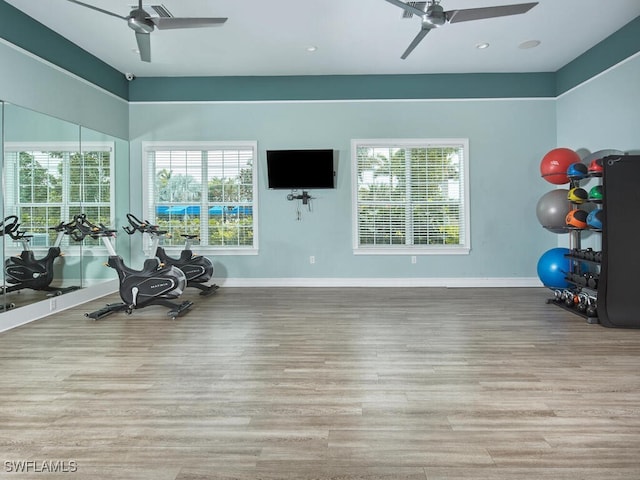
x,y
312,259
53,304
414,259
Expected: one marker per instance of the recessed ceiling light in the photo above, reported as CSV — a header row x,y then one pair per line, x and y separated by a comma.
x,y
312,48
482,46
529,44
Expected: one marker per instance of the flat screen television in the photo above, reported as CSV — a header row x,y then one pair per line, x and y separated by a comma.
x,y
299,169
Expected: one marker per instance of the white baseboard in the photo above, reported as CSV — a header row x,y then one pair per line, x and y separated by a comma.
x,y
381,282
28,313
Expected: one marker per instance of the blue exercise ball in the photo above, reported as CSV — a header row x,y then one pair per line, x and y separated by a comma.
x,y
553,266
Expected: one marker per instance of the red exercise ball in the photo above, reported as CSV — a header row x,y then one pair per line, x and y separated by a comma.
x,y
554,165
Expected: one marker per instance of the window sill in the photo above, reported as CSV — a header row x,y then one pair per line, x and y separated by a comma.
x,y
213,251
404,250
65,250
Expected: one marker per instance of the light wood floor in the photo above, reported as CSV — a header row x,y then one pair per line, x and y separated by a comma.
x,y
425,383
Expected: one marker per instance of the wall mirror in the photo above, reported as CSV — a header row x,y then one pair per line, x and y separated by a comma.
x,y
3,304
53,170
104,199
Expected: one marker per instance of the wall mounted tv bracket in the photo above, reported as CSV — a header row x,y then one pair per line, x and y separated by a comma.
x,y
306,200
305,197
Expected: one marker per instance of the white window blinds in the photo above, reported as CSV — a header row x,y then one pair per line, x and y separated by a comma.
x,y
410,195
50,183
207,190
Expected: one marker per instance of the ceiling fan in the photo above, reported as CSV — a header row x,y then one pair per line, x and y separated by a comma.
x,y
434,16
143,24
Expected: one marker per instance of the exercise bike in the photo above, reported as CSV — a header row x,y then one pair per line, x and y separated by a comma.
x,y
25,270
6,227
197,268
155,284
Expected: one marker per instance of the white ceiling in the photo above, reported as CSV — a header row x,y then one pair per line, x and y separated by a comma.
x,y
270,37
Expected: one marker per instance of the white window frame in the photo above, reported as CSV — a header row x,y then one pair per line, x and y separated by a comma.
x,y
148,200
460,249
70,247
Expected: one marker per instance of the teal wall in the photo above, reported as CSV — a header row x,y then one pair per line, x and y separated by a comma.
x,y
507,138
604,112
612,50
37,85
343,87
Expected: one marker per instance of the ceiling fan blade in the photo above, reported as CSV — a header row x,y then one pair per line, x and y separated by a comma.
x,y
144,45
408,8
415,42
98,9
465,15
165,23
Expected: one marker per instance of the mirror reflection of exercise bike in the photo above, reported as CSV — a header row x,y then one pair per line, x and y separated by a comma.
x,y
197,268
25,271
7,225
155,284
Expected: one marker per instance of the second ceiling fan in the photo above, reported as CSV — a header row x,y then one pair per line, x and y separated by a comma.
x,y
434,16
140,21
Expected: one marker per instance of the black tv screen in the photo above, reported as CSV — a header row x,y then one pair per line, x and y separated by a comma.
x,y
298,169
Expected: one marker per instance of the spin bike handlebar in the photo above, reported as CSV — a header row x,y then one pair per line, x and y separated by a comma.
x,y
84,228
143,226
10,227
68,228
9,224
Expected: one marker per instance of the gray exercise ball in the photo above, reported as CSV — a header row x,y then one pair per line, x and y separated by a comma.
x,y
552,210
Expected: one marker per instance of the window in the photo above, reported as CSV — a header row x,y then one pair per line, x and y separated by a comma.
x,y
205,189
50,183
410,196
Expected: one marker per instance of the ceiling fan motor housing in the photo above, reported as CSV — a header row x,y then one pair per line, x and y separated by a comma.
x,y
435,15
138,21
